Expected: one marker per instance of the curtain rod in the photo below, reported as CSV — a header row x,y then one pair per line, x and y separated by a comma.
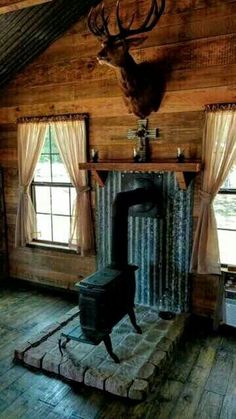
x,y
220,107
53,118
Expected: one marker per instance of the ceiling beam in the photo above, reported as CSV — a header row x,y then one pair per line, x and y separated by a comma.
x,y
11,5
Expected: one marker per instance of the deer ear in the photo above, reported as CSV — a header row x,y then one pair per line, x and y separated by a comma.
x,y
135,42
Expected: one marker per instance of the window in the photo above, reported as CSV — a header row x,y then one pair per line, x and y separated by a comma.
x,y
53,195
225,210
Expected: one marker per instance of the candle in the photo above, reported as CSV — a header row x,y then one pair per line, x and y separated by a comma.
x,y
94,155
180,154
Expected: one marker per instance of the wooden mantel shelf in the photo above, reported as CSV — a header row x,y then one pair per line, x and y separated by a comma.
x,y
185,171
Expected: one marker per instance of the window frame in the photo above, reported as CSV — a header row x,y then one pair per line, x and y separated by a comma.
x,y
226,191
35,183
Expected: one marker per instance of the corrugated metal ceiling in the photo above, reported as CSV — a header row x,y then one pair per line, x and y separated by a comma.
x,y
28,32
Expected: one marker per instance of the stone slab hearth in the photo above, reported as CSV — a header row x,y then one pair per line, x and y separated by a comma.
x,y
142,356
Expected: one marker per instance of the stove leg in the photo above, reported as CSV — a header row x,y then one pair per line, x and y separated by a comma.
x,y
108,345
133,321
62,344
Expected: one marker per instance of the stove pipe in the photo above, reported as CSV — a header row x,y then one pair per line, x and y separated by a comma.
x,y
120,210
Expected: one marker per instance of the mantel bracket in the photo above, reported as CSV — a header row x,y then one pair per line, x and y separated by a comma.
x,y
184,179
100,177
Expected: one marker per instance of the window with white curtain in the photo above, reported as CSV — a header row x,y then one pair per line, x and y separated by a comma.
x,y
52,195
225,211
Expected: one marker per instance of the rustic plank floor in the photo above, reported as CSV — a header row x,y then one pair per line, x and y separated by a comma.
x,y
201,382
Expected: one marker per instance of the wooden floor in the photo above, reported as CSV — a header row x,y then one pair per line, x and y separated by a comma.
x,y
200,384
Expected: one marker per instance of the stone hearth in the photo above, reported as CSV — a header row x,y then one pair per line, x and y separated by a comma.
x,y
142,356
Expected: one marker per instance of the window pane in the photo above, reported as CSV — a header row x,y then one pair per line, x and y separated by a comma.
x,y
46,146
60,201
225,210
61,229
42,198
44,227
43,171
59,173
227,244
230,182
53,142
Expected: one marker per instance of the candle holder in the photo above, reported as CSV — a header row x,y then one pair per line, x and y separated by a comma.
x,y
94,155
180,155
136,156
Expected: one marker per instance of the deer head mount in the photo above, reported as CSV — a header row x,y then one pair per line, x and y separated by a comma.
x,y
142,84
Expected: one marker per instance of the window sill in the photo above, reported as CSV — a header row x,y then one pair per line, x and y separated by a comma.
x,y
58,248
228,268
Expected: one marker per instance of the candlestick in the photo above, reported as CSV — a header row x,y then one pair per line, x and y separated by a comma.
x,y
180,155
94,155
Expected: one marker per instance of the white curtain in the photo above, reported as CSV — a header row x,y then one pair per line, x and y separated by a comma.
x,y
71,142
219,154
30,139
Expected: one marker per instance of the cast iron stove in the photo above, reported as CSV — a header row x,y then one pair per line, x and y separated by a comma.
x,y
108,295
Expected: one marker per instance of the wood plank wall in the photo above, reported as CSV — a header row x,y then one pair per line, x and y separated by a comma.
x,y
198,39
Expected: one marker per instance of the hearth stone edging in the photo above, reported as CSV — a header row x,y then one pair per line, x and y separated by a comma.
x,y
92,366
45,333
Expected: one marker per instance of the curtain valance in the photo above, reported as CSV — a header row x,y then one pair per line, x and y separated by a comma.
x,y
214,107
52,118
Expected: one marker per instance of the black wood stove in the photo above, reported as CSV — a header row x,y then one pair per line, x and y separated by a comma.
x,y
108,295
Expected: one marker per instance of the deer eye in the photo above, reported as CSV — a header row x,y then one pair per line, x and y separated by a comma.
x,y
118,44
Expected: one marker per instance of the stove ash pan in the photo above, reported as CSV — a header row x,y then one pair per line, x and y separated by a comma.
x,y
104,299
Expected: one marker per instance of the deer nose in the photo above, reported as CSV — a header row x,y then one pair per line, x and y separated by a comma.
x,y
102,54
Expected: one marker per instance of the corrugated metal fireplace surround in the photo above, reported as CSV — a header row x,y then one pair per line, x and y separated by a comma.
x,y
159,246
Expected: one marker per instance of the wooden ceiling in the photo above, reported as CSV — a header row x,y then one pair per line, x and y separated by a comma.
x,y
11,5
28,27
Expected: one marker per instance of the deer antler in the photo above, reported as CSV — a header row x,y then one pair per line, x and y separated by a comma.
x,y
151,20
100,29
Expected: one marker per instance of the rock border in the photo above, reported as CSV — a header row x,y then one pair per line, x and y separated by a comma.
x,y
143,356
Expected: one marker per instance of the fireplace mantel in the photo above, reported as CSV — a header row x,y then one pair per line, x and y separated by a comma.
x,y
185,171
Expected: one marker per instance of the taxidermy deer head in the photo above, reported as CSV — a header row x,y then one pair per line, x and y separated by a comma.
x,y
141,84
